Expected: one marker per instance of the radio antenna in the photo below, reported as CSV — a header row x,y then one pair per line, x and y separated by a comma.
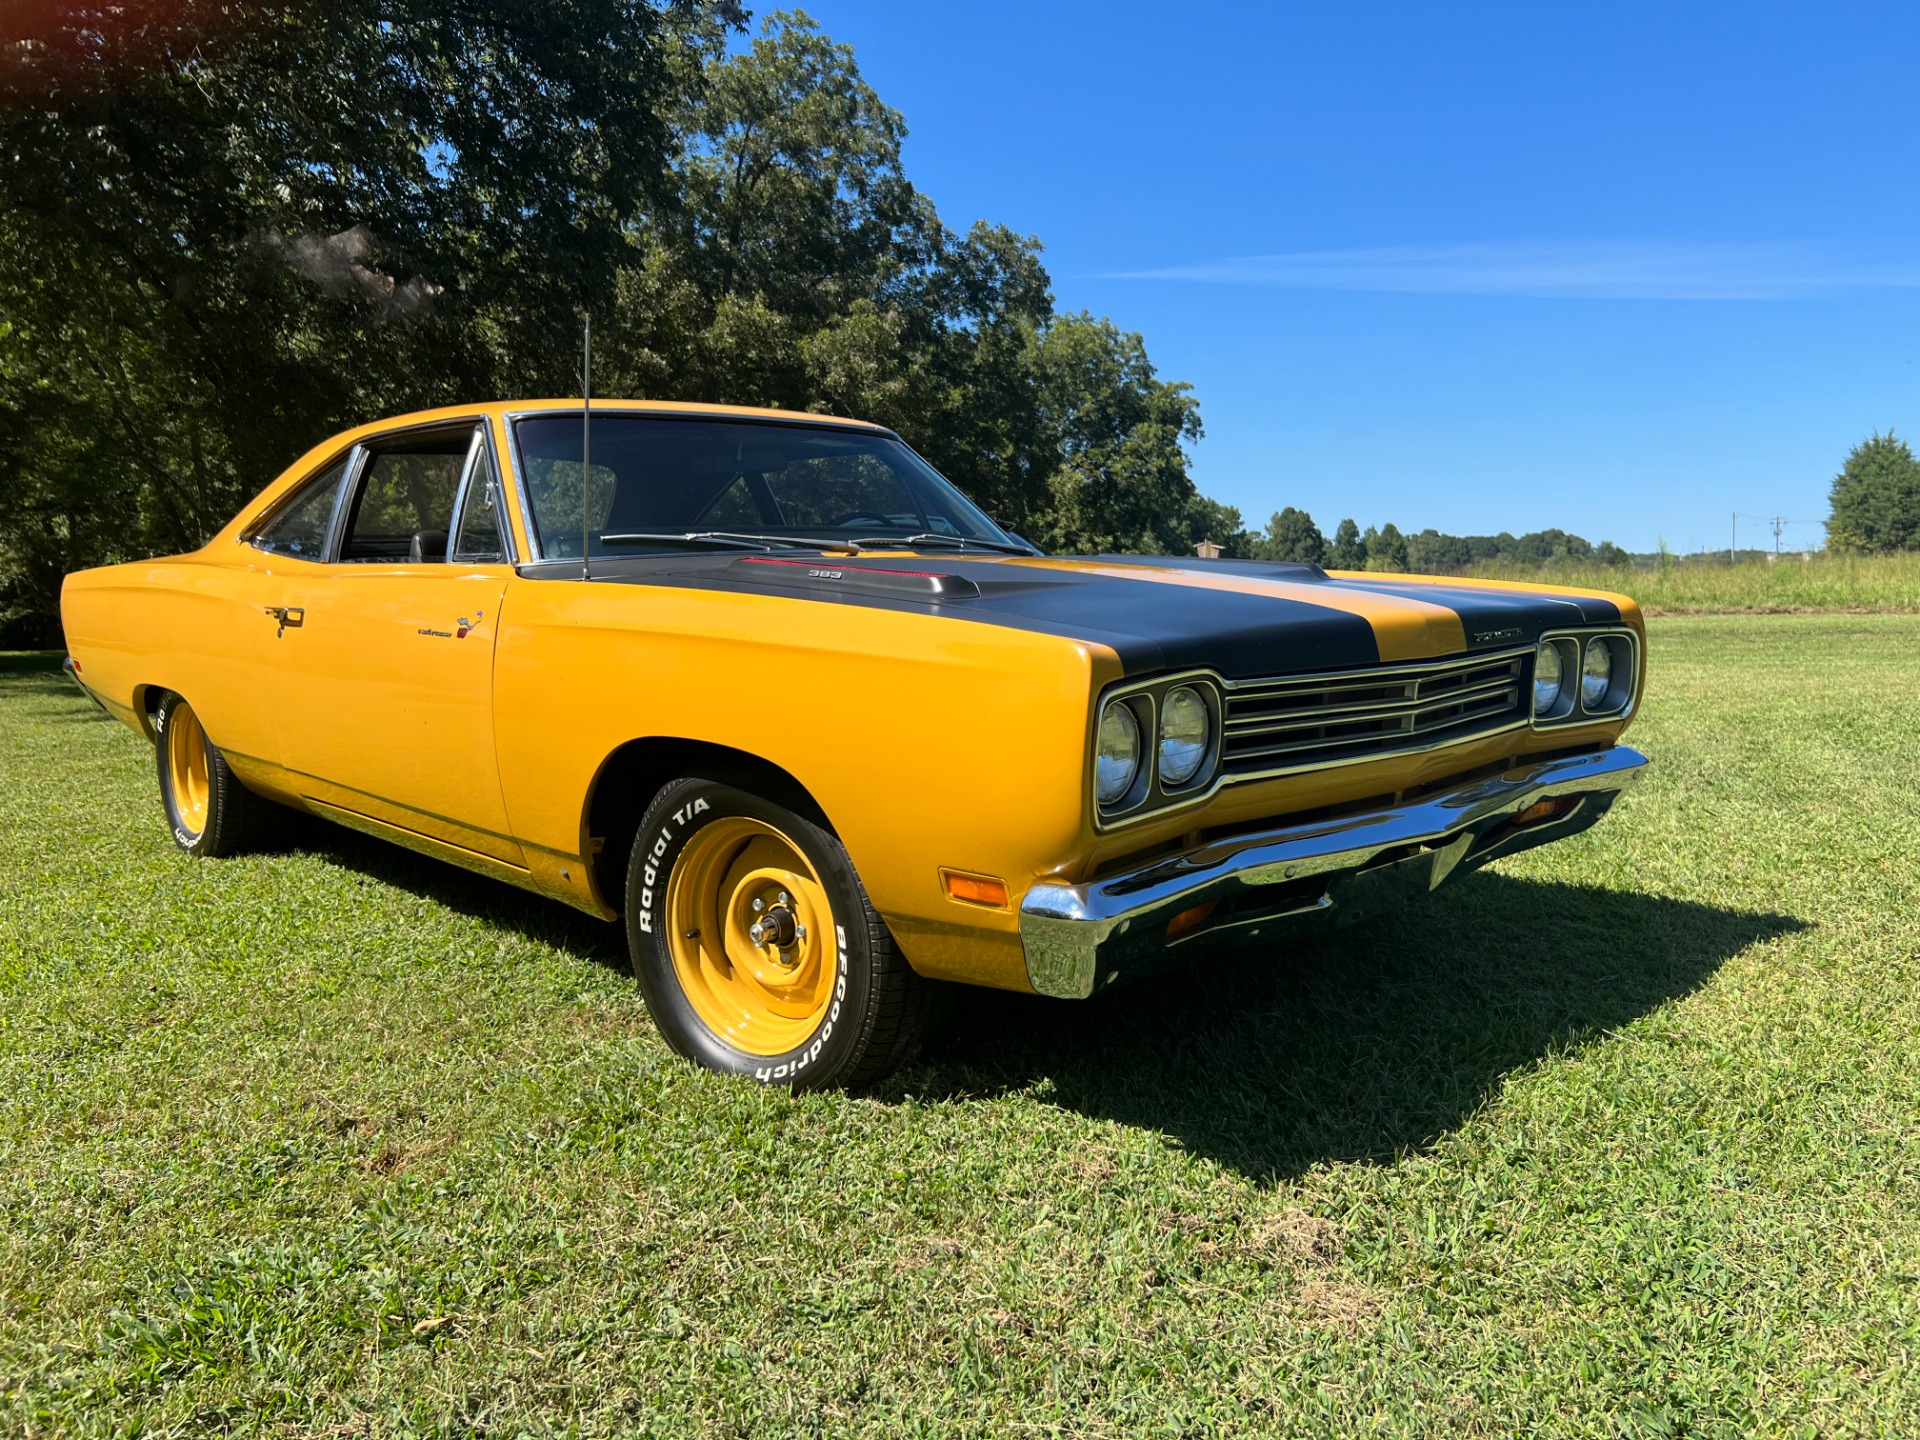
x,y
586,447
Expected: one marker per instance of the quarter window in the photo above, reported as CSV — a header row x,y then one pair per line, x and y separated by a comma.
x,y
300,529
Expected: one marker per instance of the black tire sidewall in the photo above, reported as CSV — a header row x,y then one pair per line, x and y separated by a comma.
x,y
677,814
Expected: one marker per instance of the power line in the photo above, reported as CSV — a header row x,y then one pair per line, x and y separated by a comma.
x,y
1777,523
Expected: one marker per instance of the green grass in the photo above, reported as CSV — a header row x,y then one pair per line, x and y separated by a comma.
x,y
1888,583
1622,1138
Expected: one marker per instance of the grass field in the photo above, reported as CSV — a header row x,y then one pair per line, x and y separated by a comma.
x,y
1791,585
1620,1139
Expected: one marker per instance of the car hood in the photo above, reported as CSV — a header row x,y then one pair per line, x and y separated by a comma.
x,y
1242,618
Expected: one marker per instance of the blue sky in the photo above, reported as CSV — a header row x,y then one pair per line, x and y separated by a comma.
x,y
1622,269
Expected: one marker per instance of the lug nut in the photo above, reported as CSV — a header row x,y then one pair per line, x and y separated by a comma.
x,y
783,898
758,904
758,934
799,932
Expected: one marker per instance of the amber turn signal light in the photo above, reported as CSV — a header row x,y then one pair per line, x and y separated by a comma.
x,y
975,889
1543,811
1189,920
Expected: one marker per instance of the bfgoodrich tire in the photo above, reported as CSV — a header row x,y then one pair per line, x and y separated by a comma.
x,y
757,948
208,810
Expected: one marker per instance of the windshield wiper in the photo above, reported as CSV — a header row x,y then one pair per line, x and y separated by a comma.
x,y
737,540
957,542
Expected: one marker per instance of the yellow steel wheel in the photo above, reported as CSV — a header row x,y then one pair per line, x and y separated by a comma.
x,y
751,934
187,769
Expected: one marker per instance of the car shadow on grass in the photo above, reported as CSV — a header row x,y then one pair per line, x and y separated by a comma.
x,y
1269,1058
1361,1045
501,905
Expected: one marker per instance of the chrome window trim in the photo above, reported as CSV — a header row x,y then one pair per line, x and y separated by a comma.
x,y
1577,712
343,502
487,465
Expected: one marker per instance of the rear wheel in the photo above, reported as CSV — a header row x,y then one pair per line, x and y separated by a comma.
x,y
757,948
209,811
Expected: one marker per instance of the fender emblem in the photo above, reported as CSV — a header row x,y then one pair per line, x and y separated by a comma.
x,y
465,625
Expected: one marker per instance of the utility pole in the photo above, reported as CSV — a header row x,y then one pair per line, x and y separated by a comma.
x,y
1733,545
1779,524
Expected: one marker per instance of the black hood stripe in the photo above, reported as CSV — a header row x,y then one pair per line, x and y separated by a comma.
x,y
1152,624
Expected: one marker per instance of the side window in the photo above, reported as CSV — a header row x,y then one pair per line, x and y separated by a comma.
x,y
405,506
483,529
300,529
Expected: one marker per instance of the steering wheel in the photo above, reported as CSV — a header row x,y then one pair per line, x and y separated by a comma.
x,y
860,517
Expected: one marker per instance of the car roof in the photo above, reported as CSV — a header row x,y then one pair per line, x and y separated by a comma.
x,y
611,406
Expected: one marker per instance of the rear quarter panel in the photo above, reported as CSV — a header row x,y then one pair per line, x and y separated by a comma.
x,y
175,624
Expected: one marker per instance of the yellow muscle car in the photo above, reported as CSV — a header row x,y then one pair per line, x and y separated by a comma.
x,y
768,689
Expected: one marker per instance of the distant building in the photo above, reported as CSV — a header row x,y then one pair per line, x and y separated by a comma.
x,y
1207,550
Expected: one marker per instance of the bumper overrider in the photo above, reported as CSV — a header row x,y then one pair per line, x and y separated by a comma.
x,y
1083,938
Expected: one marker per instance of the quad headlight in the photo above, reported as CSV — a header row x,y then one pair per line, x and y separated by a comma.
x,y
1157,744
1549,678
1116,758
1186,729
1596,674
1581,676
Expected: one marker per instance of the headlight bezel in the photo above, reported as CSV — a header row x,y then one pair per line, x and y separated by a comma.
x,y
1622,694
1150,793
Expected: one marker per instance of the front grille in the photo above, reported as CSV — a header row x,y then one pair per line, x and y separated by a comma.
x,y
1308,720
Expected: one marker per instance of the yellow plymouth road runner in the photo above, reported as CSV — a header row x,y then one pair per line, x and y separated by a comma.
x,y
770,690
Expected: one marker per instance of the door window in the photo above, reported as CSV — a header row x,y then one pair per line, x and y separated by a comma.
x,y
404,510
300,528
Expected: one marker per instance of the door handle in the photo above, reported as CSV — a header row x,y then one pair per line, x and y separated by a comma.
x,y
289,616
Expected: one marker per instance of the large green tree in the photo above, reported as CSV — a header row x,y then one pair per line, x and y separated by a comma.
x,y
1292,535
1349,549
227,230
802,269
1876,498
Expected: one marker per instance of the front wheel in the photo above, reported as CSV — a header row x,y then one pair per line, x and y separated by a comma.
x,y
756,947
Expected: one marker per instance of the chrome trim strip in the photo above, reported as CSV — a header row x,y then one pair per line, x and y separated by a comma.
x,y
1368,675
1408,709
1081,938
1337,714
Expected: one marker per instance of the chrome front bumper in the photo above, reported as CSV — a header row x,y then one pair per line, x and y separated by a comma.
x,y
1083,938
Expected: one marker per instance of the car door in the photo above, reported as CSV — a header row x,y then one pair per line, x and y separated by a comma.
x,y
236,627
386,685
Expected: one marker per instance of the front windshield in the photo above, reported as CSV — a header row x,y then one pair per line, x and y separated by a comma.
x,y
657,476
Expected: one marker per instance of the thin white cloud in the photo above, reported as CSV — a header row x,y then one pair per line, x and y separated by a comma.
x,y
1684,270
